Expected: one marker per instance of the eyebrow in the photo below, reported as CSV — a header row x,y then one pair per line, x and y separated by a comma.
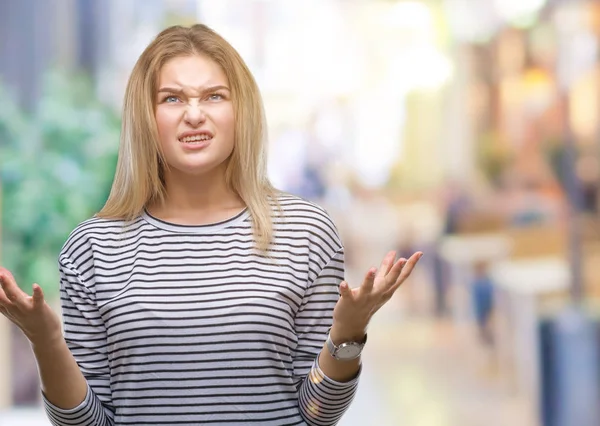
x,y
200,89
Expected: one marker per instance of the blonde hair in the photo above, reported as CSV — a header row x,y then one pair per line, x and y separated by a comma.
x,y
138,177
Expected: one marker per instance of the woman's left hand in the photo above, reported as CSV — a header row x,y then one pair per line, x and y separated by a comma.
x,y
356,306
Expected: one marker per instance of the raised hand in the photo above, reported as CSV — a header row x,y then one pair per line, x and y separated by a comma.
x,y
30,313
356,306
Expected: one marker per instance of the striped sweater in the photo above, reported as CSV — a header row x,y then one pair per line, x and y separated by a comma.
x,y
188,325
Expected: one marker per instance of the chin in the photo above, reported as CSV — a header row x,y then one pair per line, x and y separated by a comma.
x,y
203,169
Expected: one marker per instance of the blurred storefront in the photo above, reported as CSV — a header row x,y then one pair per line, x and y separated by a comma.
x,y
532,90
533,102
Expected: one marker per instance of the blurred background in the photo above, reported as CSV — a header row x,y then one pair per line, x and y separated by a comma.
x,y
468,129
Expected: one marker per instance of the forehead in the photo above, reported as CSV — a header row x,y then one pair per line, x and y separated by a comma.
x,y
191,71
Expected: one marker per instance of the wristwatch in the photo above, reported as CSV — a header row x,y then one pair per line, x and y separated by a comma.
x,y
346,351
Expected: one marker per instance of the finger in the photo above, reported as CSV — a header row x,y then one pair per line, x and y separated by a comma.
x,y
410,264
9,285
386,264
406,271
3,299
395,271
38,296
346,291
367,285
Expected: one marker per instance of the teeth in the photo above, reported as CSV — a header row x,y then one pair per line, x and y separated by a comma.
x,y
196,138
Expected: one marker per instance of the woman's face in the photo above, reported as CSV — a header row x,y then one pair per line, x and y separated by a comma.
x,y
195,116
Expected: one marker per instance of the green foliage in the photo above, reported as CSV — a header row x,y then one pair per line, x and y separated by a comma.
x,y
56,167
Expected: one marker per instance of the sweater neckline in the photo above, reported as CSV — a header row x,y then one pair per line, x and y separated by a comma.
x,y
208,228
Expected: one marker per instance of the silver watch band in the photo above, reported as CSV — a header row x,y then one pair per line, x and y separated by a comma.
x,y
345,351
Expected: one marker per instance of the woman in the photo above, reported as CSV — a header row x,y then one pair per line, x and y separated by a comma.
x,y
200,294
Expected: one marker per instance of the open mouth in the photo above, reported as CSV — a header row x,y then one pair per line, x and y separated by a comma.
x,y
196,140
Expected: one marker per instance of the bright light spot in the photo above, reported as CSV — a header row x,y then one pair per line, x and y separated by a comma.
x,y
313,408
315,377
378,138
422,67
473,21
409,14
519,11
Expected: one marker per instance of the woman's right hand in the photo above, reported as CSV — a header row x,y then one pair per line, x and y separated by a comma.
x,y
30,313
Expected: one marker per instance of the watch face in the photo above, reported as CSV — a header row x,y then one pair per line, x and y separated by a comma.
x,y
348,351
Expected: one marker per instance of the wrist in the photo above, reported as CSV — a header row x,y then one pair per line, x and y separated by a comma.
x,y
46,342
340,333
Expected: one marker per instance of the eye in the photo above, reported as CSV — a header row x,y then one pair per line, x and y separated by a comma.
x,y
216,97
170,99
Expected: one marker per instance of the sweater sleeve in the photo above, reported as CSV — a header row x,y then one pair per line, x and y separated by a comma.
x,y
85,334
322,401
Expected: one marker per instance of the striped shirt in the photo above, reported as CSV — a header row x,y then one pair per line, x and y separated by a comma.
x,y
189,325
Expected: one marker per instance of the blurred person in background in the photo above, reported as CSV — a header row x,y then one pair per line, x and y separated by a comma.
x,y
200,293
455,205
482,291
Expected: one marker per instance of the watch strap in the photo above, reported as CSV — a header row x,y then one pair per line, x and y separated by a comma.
x,y
333,349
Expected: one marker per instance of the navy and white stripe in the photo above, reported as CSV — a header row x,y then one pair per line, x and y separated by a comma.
x,y
189,325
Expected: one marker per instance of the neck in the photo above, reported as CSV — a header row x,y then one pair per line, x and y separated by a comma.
x,y
197,200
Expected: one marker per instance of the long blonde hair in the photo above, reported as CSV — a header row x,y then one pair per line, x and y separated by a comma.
x,y
138,177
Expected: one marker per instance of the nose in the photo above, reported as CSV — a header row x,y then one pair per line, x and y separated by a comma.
x,y
194,115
